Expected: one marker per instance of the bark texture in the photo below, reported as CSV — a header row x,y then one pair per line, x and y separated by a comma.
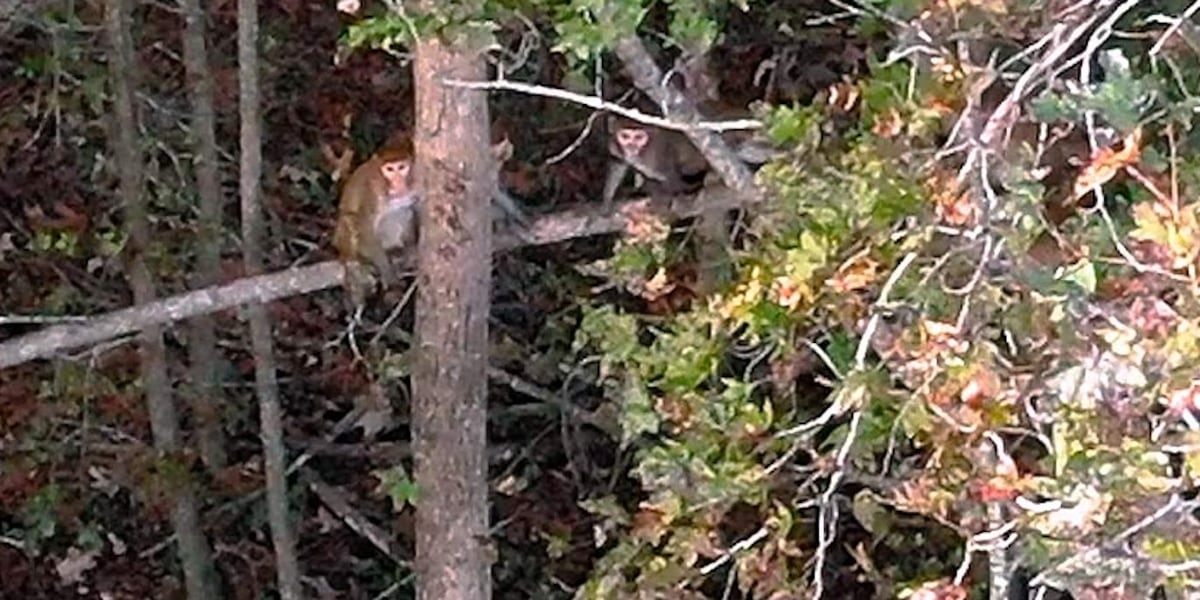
x,y
454,257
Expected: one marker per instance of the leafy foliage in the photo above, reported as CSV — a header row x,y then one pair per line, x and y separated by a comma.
x,y
990,379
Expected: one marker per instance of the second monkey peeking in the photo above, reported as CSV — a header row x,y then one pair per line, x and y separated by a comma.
x,y
667,159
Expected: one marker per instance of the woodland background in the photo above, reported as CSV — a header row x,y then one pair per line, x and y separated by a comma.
x,y
954,354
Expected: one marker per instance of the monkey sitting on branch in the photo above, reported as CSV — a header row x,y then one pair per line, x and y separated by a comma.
x,y
377,211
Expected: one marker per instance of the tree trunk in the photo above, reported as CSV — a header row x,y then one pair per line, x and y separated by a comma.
x,y
449,411
164,420
266,387
207,392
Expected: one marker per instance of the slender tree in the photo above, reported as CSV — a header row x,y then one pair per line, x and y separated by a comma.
x,y
266,386
164,419
207,392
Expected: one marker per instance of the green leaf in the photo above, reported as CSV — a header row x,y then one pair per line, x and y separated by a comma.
x,y
397,486
1082,274
614,334
637,411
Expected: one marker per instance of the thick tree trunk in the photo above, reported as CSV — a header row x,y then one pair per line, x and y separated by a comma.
x,y
449,412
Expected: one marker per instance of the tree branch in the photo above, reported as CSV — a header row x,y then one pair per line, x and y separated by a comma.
x,y
597,103
571,224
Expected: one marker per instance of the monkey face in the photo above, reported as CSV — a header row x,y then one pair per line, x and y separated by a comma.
x,y
632,140
396,174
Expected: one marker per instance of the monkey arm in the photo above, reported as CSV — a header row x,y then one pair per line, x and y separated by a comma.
x,y
505,207
617,170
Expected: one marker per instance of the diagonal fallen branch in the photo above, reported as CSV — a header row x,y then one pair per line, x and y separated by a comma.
x,y
576,223
337,501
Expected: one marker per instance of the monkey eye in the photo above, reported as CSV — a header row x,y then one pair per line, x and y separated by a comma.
x,y
396,168
631,136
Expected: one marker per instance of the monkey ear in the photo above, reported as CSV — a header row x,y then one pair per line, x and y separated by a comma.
x,y
502,150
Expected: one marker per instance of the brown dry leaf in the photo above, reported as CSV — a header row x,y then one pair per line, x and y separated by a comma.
x,y
858,274
939,331
942,589
983,386
238,479
69,218
952,203
842,96
19,404
948,70
642,225
889,124
786,292
1000,488
658,286
913,496
956,209
1107,162
649,524
676,410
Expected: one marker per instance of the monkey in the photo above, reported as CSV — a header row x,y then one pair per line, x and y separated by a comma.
x,y
667,159
376,211
378,204
670,163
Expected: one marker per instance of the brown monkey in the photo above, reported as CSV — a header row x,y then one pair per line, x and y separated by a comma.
x,y
377,211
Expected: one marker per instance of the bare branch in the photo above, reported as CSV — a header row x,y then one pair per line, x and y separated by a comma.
x,y
338,502
598,103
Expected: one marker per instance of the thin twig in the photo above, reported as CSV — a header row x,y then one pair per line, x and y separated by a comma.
x,y
1186,16
827,511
